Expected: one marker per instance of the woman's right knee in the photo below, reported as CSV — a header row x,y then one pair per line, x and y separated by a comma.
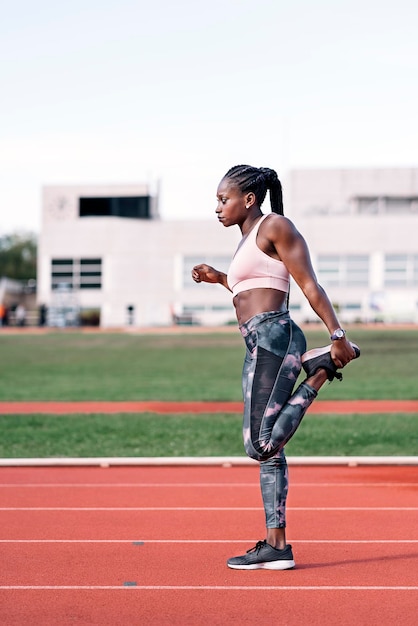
x,y
252,452
258,455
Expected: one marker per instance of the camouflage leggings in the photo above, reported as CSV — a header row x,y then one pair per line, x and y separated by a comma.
x,y
272,413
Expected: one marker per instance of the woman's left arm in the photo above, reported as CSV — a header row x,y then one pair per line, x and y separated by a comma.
x,y
292,249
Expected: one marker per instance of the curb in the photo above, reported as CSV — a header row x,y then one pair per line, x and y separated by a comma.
x,y
351,461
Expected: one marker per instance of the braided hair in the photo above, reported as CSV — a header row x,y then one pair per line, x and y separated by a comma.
x,y
258,180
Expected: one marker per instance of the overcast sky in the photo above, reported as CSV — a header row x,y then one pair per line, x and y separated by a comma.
x,y
132,91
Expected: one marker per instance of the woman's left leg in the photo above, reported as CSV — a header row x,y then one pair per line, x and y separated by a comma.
x,y
274,483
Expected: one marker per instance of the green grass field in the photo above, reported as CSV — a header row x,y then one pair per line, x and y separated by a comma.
x,y
190,366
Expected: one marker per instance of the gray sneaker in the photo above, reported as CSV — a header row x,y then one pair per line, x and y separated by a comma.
x,y
318,358
263,556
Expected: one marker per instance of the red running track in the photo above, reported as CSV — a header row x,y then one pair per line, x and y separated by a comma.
x,y
136,545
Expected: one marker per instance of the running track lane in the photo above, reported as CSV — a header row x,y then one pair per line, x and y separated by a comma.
x,y
318,407
148,545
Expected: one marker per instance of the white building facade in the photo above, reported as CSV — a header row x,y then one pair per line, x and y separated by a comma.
x,y
103,251
130,269
361,226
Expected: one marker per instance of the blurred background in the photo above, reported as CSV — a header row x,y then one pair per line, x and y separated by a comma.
x,y
119,119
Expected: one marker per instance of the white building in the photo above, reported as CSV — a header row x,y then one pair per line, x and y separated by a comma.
x,y
361,226
103,250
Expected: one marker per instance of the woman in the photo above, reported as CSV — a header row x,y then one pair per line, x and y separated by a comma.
x,y
271,250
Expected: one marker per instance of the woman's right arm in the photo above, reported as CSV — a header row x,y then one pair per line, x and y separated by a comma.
x,y
207,274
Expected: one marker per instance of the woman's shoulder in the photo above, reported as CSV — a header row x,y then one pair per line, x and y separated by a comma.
x,y
275,225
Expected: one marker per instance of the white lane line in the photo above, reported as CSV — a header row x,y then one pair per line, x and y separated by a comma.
x,y
133,587
210,541
191,485
134,485
206,508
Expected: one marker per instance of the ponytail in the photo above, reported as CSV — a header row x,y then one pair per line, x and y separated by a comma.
x,y
275,187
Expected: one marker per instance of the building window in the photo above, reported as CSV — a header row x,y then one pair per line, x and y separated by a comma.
x,y
401,270
221,263
329,270
389,205
62,273
137,207
356,270
76,274
90,276
352,306
212,308
350,270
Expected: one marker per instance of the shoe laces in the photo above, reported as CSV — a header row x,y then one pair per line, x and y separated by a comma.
x,y
257,547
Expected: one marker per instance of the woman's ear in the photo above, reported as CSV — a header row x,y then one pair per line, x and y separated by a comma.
x,y
249,200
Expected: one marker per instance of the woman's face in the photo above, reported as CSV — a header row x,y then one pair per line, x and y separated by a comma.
x,y
231,207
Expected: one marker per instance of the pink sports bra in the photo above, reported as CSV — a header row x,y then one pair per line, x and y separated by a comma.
x,y
251,268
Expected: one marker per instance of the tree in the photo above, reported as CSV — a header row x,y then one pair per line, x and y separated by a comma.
x,y
18,253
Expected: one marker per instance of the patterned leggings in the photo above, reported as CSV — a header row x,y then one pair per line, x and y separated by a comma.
x,y
272,413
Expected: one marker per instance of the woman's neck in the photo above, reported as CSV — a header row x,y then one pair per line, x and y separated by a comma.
x,y
250,221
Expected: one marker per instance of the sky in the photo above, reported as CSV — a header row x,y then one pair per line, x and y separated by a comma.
x,y
175,93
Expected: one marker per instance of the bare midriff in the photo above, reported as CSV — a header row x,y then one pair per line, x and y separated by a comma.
x,y
255,301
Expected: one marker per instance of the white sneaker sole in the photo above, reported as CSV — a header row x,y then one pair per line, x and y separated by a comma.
x,y
312,354
276,565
